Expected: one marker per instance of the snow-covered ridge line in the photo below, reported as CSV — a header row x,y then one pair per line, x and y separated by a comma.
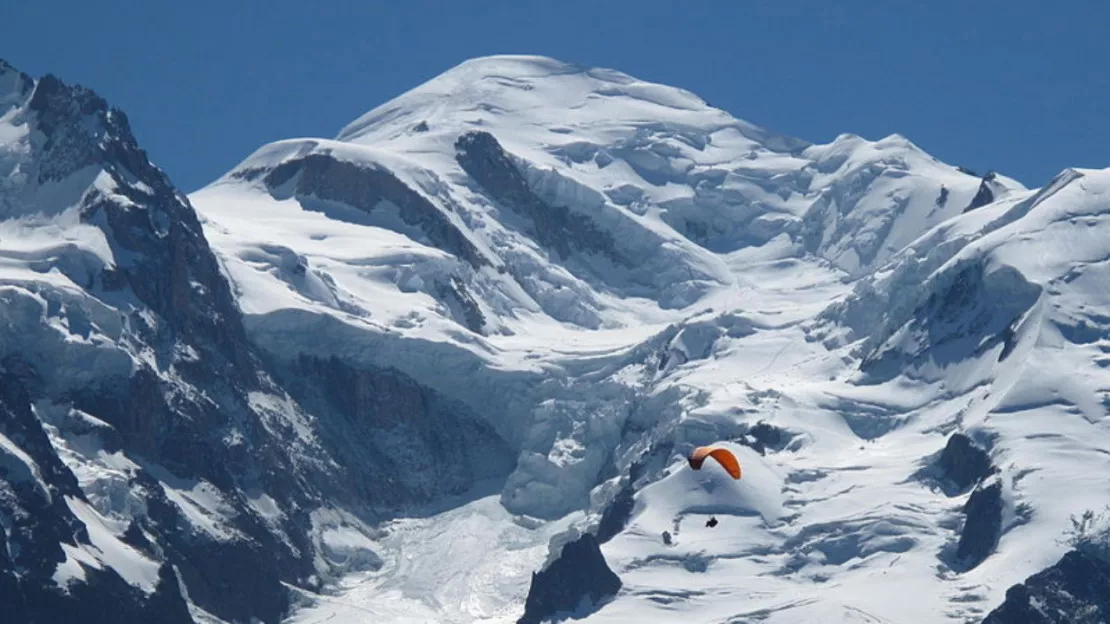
x,y
130,390
890,218
496,312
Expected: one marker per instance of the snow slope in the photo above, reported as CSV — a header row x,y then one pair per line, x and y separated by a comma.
x,y
129,395
578,269
996,333
469,563
671,208
859,296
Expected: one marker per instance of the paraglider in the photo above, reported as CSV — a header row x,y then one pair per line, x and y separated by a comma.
x,y
723,456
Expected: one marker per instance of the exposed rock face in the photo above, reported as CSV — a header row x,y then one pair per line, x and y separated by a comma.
x,y
173,390
35,522
182,311
554,227
942,197
205,436
462,304
963,463
616,515
579,579
104,598
764,436
969,311
985,195
326,177
157,321
983,525
322,176
447,448
1074,591
168,264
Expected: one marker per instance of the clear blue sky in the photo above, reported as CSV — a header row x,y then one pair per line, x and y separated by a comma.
x,y
1020,86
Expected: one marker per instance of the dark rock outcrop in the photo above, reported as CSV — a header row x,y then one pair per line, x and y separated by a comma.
x,y
764,436
103,598
616,515
554,227
970,310
37,522
189,400
323,176
377,411
464,308
963,463
1076,590
575,583
983,525
942,197
168,264
185,414
985,195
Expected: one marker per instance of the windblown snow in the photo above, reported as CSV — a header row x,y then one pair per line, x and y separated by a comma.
x,y
609,272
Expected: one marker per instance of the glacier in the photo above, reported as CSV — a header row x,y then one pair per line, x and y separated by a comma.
x,y
489,313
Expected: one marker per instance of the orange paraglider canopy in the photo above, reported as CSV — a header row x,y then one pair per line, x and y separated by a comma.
x,y
723,456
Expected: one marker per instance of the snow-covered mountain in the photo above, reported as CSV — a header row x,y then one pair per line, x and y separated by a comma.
x,y
390,375
156,467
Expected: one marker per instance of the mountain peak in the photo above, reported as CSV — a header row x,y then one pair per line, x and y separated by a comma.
x,y
516,64
63,130
517,92
538,285
14,86
7,68
533,67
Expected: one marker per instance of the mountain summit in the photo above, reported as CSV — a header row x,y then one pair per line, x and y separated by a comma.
x,y
466,345
540,97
